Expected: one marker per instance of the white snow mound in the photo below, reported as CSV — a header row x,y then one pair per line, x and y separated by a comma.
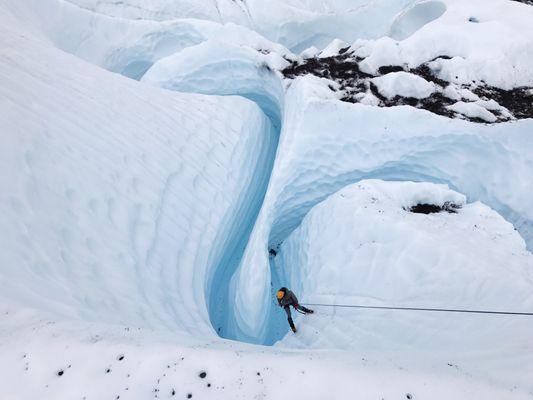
x,y
403,84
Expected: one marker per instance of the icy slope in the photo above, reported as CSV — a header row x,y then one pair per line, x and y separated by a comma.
x,y
140,221
120,200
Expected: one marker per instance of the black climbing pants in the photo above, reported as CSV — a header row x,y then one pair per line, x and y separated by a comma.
x,y
298,307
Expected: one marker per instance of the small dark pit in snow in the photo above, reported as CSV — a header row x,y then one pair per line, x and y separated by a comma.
x,y
60,372
107,371
409,396
208,385
202,374
425,208
344,50
189,395
258,373
120,357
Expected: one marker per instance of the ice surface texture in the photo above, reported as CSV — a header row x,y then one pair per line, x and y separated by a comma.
x,y
340,143
140,214
362,246
116,190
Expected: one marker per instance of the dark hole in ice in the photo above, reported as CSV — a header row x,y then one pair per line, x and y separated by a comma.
x,y
120,357
272,252
189,395
409,396
344,50
173,393
385,69
202,374
60,372
425,208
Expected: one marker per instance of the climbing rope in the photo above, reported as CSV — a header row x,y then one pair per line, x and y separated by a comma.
x,y
420,309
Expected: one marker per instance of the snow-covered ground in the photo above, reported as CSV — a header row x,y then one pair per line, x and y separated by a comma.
x,y
166,165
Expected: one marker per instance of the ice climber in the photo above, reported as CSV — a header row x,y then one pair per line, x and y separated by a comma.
x,y
286,298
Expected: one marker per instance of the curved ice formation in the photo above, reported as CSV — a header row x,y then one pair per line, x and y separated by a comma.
x,y
219,68
340,143
362,246
141,219
415,17
213,67
122,198
324,145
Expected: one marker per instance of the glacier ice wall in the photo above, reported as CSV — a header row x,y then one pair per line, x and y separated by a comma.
x,y
122,198
323,144
326,144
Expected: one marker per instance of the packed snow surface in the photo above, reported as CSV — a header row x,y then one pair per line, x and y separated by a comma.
x,y
161,177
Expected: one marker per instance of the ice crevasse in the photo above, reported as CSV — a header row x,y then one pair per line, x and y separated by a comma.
x,y
316,157
154,204
105,180
323,144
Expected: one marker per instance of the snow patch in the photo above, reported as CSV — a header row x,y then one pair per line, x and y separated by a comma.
x,y
403,84
473,110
